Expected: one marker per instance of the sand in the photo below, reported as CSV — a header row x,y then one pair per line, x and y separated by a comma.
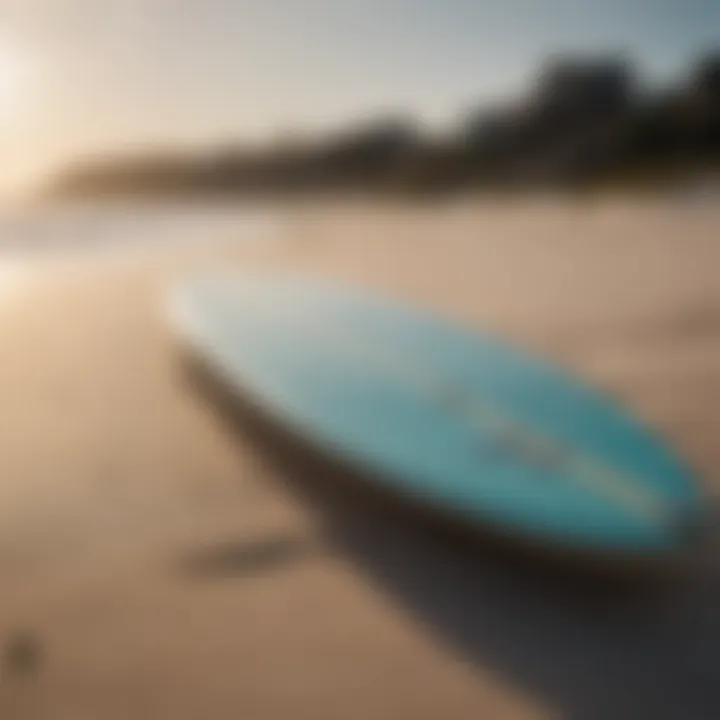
x,y
160,567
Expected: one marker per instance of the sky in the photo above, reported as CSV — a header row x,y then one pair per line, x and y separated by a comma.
x,y
84,77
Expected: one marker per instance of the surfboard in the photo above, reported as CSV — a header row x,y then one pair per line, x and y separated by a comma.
x,y
455,419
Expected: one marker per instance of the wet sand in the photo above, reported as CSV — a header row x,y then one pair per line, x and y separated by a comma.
x,y
165,565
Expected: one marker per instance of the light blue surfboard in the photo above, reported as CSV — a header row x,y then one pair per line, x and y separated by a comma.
x,y
459,421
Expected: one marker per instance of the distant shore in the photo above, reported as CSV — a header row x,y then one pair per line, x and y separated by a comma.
x,y
587,122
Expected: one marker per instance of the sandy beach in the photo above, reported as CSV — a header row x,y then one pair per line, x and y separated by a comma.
x,y
163,569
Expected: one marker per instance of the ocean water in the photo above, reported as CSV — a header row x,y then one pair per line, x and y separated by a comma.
x,y
83,229
34,240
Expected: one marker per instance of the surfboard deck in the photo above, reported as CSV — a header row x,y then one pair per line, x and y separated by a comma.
x,y
442,415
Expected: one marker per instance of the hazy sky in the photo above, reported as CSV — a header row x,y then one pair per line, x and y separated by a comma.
x,y
80,76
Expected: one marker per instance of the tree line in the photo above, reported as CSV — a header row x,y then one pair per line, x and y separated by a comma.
x,y
583,121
